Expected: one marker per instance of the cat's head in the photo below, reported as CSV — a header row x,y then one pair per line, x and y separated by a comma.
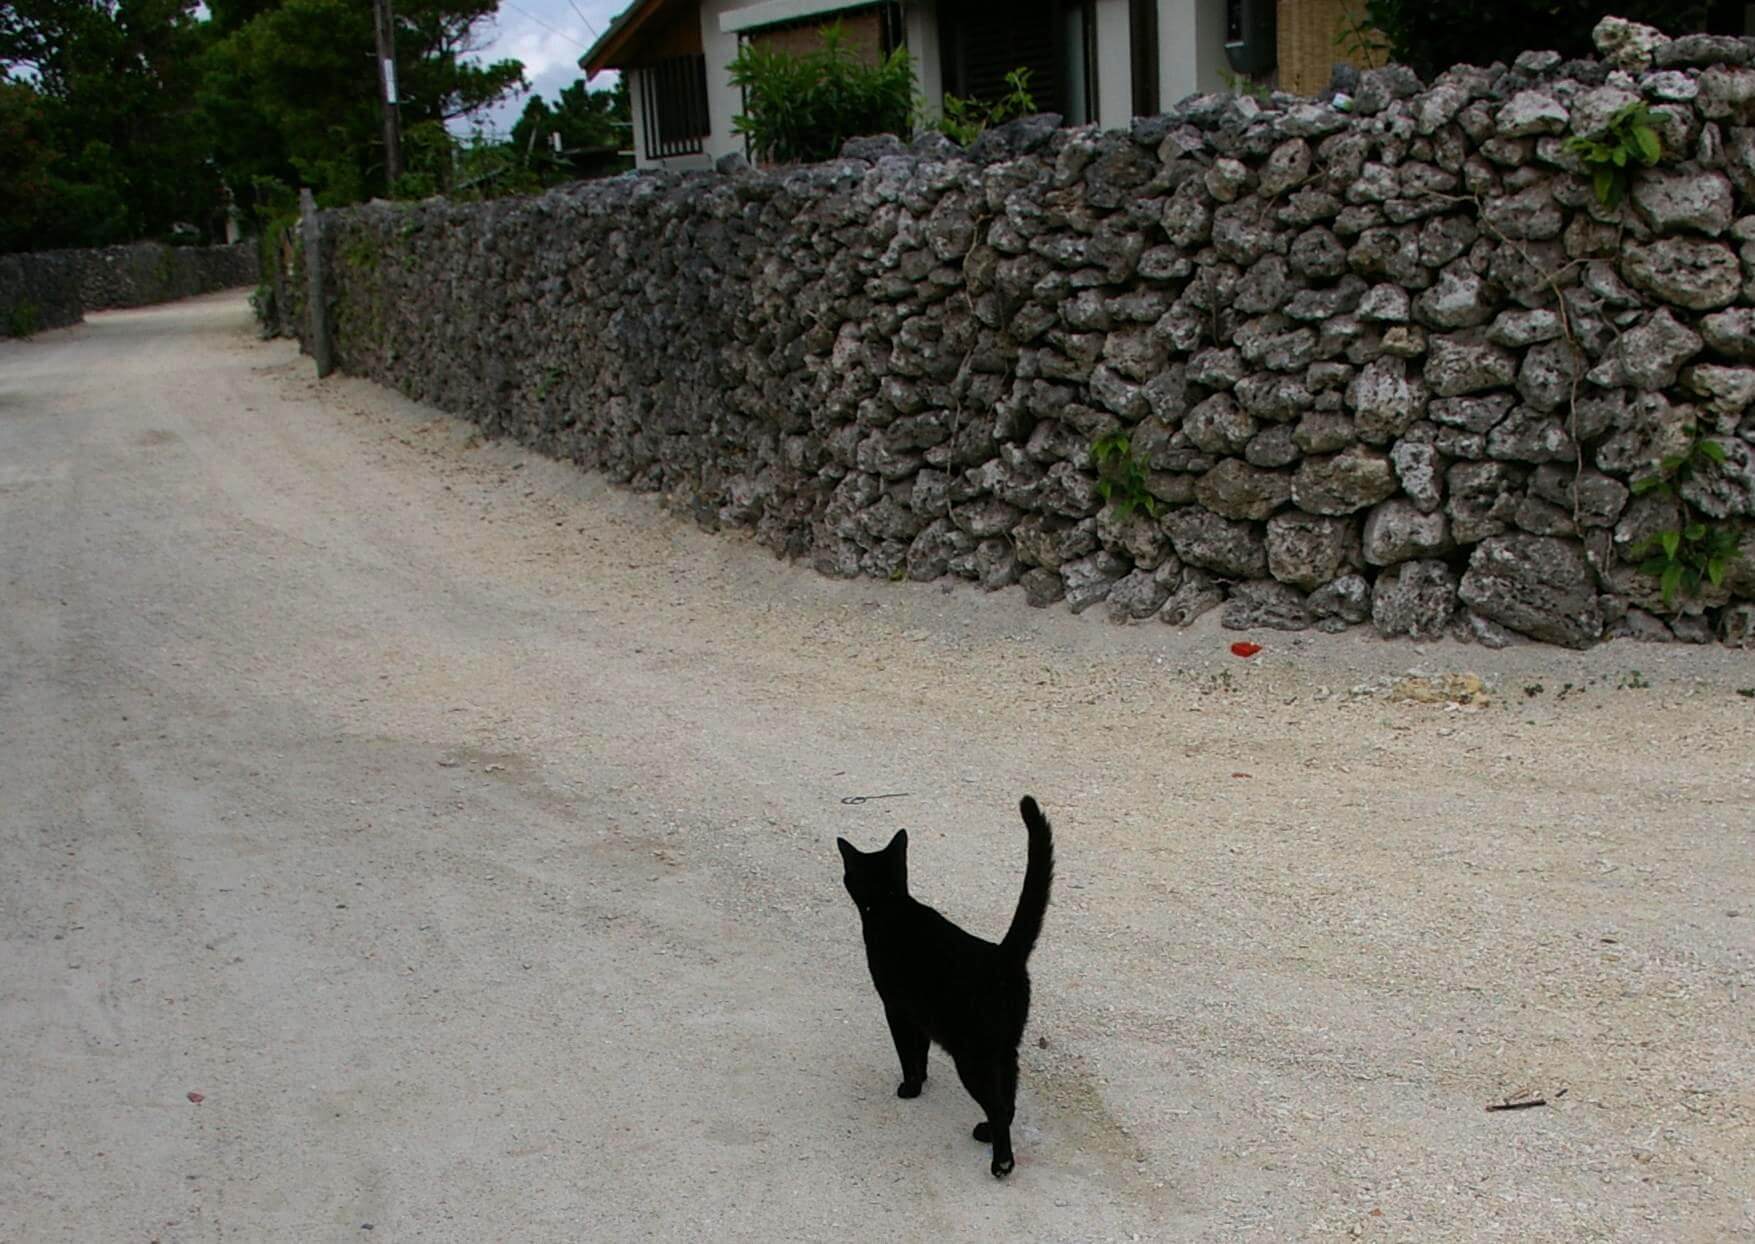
x,y
875,875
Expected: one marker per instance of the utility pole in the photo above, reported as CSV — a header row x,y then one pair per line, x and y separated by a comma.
x,y
386,31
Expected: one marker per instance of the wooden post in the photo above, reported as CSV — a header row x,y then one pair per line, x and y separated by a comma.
x,y
384,27
316,310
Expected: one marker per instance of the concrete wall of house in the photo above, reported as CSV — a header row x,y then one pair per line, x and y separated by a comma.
x,y
1114,65
724,101
1191,48
920,29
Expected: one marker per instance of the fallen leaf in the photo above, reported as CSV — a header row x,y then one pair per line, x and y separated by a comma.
x,y
197,1098
1243,648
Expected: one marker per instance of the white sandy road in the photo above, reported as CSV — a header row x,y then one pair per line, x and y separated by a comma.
x,y
462,831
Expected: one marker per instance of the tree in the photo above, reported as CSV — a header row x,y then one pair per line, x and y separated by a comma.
x,y
27,185
113,84
292,88
594,128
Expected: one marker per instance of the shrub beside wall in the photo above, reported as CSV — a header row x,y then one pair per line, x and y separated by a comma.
x,y
1398,367
52,289
38,292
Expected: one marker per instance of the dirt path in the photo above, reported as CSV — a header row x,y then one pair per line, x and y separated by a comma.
x,y
462,831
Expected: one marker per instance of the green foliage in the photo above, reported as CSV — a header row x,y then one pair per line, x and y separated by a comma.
x,y
360,252
1121,478
1243,84
292,89
262,303
28,187
1432,37
128,119
1676,469
1697,552
98,120
802,108
1682,560
1631,139
963,120
1362,38
24,320
594,128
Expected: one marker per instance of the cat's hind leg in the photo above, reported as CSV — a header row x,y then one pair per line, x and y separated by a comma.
x,y
911,1047
993,1083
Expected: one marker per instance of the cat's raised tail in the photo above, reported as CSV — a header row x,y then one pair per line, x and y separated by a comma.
x,y
1020,939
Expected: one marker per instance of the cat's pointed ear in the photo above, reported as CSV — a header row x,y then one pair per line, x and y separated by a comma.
x,y
896,855
847,851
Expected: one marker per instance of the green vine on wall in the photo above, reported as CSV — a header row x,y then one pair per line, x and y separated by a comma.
x,y
1630,139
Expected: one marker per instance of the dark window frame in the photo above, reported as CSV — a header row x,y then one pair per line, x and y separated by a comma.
x,y
1142,31
673,106
954,50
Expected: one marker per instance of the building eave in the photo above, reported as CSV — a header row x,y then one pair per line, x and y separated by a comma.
x,y
611,50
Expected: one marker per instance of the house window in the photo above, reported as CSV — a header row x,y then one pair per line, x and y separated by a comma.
x,y
673,106
983,40
1142,21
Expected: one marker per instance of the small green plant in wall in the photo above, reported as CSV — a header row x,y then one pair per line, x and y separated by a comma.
x,y
1630,140
964,119
1682,560
1697,552
1121,478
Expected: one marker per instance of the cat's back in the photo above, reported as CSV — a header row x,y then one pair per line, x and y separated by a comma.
x,y
944,974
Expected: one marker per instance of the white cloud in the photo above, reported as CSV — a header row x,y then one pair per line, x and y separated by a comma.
x,y
549,37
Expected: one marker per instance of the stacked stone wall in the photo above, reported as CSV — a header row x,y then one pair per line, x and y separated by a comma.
x,y
52,289
1397,365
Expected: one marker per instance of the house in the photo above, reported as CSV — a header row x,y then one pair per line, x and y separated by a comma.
x,y
1106,61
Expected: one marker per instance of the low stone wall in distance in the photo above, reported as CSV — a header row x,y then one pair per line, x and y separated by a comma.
x,y
51,289
147,272
38,292
1315,368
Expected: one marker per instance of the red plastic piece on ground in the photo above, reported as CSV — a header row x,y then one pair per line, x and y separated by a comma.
x,y
1243,648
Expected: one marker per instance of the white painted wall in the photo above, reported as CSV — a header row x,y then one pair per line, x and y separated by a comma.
x,y
920,32
724,101
1114,65
1191,48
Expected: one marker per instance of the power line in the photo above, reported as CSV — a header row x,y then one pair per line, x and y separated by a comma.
x,y
581,13
584,47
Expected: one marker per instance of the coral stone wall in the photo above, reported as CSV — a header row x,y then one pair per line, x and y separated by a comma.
x,y
51,289
39,292
1395,366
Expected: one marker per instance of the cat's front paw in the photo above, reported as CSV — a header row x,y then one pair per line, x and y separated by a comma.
x,y
984,1132
1002,1167
909,1088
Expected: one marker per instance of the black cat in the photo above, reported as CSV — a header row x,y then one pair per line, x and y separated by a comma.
x,y
941,984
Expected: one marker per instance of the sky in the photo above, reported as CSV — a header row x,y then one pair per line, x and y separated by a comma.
x,y
549,36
